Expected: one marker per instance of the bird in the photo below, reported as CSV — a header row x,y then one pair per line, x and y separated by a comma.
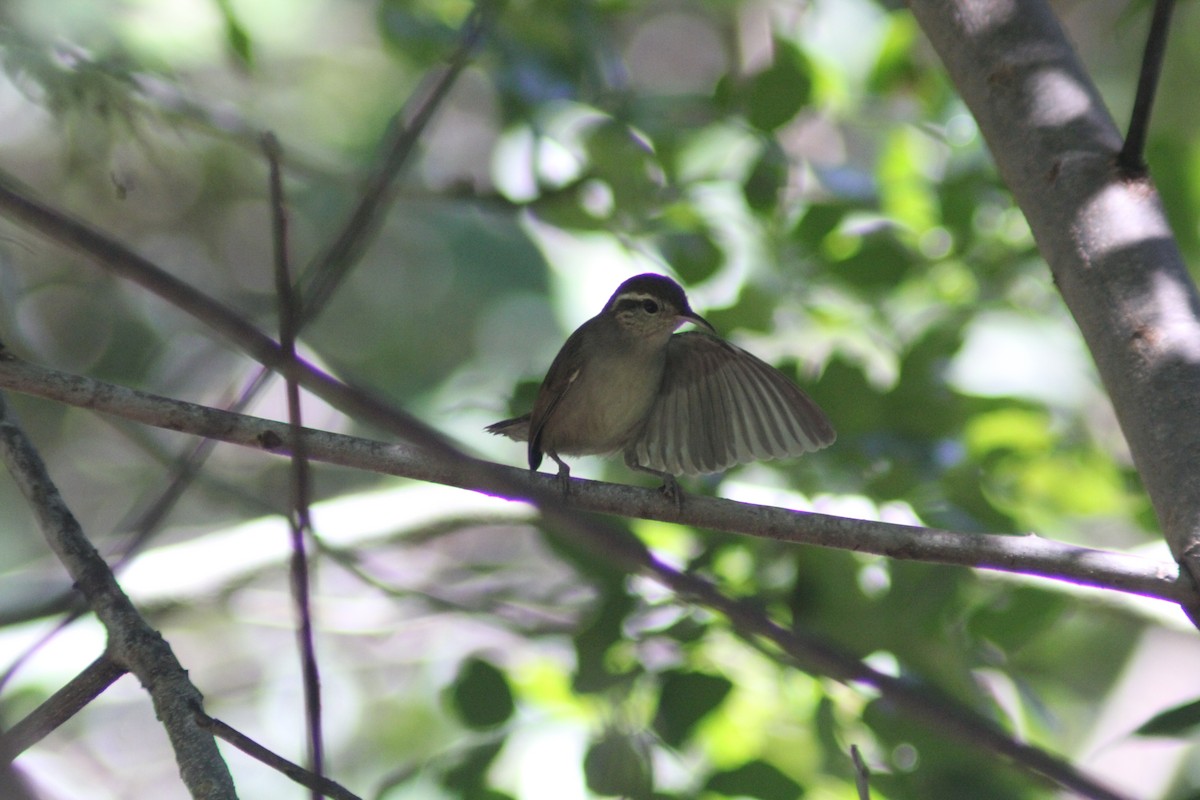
x,y
672,403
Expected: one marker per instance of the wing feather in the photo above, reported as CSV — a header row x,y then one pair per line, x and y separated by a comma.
x,y
721,406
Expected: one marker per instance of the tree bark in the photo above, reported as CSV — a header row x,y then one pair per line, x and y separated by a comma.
x,y
1103,234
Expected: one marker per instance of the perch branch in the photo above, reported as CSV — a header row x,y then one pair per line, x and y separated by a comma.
x,y
1031,555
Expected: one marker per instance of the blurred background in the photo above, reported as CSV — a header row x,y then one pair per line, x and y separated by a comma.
x,y
803,168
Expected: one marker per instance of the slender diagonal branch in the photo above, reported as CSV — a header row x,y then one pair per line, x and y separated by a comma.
x,y
132,642
320,785
1031,555
330,267
60,707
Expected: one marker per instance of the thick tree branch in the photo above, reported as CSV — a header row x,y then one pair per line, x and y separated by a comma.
x,y
1030,555
1105,237
132,643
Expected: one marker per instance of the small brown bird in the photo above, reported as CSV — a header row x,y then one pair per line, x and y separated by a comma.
x,y
673,404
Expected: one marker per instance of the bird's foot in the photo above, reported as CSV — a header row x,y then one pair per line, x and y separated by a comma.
x,y
564,476
672,491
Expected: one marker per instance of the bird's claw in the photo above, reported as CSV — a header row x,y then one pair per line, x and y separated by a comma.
x,y
672,491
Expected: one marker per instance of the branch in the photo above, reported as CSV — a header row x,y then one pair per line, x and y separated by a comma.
x,y
299,520
123,262
1104,236
60,707
1132,158
328,269
319,784
132,643
905,698
618,547
1031,555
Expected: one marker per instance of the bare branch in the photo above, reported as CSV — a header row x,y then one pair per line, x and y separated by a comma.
x,y
862,775
299,520
616,546
60,707
320,785
1031,555
817,656
330,267
132,643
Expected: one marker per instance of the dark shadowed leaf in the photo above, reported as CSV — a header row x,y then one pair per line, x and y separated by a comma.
x,y
618,765
468,776
1178,721
684,699
480,694
777,93
755,779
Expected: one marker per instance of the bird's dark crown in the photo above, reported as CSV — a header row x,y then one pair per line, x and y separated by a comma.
x,y
658,286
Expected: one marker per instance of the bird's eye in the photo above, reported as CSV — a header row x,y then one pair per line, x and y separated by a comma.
x,y
650,306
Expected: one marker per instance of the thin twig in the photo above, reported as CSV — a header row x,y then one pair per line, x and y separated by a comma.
x,y
326,272
320,785
862,775
1029,555
299,520
1132,158
132,642
60,707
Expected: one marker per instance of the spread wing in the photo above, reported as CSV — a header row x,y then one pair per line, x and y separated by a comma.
x,y
721,406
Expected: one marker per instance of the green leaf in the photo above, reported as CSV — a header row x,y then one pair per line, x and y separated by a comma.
x,y
820,220
693,254
878,262
777,93
592,673
767,178
1178,721
618,765
468,776
684,699
480,695
625,162
236,36
755,779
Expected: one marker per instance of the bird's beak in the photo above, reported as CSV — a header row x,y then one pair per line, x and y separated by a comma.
x,y
692,316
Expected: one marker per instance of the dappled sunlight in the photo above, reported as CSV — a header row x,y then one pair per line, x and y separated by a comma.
x,y
1120,216
984,16
1057,98
1176,329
